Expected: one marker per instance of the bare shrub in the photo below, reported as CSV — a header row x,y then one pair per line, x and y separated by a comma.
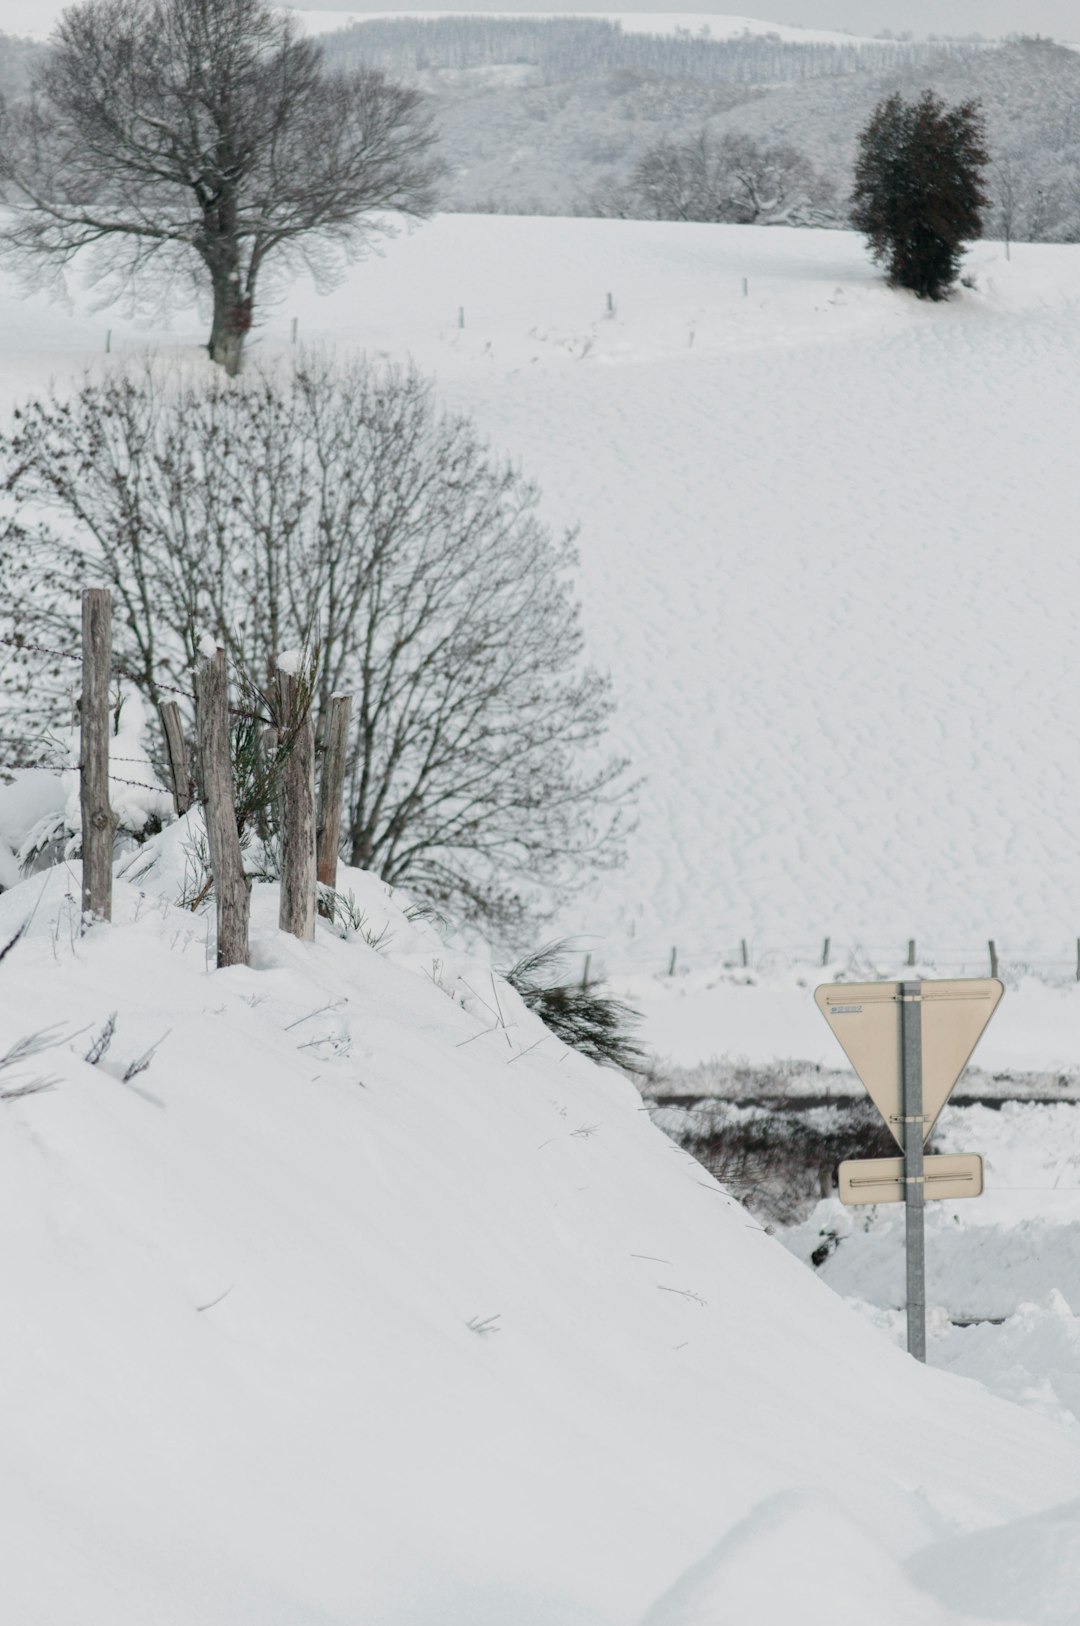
x,y
334,504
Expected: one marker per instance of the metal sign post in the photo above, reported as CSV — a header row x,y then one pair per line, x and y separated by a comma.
x,y
909,1042
914,1178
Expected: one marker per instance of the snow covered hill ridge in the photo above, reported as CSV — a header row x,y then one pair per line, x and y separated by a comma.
x,y
715,26
37,21
338,1291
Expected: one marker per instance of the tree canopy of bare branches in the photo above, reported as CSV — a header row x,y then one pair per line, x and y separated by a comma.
x,y
336,504
206,133
730,178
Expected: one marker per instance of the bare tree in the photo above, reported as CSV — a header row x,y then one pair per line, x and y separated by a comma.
x,y
206,133
338,502
1006,194
730,178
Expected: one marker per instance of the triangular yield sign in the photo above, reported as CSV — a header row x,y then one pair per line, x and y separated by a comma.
x,y
865,1018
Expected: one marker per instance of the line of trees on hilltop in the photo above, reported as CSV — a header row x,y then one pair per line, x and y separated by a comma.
x,y
561,48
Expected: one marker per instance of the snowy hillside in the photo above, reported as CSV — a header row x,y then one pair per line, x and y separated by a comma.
x,y
365,1301
827,553
337,1290
718,27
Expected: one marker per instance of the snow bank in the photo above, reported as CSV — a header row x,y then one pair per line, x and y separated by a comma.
x,y
801,1558
366,1300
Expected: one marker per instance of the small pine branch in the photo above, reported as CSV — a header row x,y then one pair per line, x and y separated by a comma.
x,y
596,1024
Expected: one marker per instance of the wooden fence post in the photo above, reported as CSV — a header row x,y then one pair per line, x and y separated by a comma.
x,y
993,958
232,888
176,750
97,820
911,951
745,950
825,952
298,872
331,793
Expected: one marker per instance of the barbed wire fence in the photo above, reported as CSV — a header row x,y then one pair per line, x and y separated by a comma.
x,y
854,959
309,831
656,953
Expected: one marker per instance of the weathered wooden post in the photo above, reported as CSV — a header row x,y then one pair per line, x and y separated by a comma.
x,y
232,888
97,820
176,748
993,958
331,792
298,874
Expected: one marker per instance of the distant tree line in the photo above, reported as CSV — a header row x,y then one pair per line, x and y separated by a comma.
x,y
561,48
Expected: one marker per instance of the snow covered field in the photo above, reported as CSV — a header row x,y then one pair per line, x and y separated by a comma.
x,y
827,554
353,1307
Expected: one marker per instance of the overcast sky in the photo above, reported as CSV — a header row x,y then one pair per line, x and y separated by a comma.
x,y
1059,18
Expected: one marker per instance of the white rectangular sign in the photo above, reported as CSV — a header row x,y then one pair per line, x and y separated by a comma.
x,y
881,1179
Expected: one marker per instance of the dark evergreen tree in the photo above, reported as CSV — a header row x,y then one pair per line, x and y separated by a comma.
x,y
918,189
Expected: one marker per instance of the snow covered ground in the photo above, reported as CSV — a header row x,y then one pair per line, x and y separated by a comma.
x,y
357,1303
352,1306
827,554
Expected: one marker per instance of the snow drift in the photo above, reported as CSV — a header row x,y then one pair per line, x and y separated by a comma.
x,y
365,1300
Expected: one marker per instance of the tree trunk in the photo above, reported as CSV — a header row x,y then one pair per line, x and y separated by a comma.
x,y
233,304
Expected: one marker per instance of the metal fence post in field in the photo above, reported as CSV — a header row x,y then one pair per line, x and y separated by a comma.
x,y
332,792
97,820
232,888
298,858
